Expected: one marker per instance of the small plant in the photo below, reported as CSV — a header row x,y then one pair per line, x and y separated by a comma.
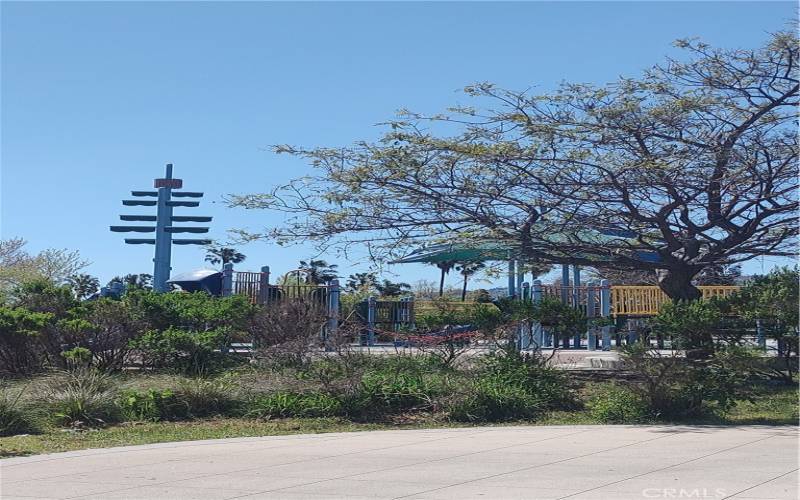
x,y
202,397
79,398
15,418
615,404
77,357
288,404
149,406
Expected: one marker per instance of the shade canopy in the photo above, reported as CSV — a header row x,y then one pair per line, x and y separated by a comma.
x,y
502,251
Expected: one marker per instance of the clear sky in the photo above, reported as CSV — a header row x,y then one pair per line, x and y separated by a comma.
x,y
97,97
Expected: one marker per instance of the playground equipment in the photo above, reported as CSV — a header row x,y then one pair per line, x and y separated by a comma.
x,y
164,224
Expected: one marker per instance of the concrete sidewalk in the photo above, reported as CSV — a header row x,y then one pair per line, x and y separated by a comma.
x,y
576,462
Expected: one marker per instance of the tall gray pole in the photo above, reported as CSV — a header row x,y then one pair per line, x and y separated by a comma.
x,y
565,283
163,256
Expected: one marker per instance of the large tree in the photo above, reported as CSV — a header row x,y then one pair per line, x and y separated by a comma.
x,y
689,166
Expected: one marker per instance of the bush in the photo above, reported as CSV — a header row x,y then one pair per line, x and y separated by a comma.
x,y
287,333
108,327
511,385
691,324
80,398
15,417
614,404
151,405
202,397
288,404
675,387
183,351
21,351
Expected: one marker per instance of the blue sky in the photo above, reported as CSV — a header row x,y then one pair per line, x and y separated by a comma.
x,y
97,97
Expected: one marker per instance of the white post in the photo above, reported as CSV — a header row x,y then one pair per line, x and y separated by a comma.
x,y
227,279
524,332
605,311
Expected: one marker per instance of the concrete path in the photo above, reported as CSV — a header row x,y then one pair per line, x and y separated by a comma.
x,y
576,462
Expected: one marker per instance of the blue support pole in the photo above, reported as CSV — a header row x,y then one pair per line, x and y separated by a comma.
x,y
163,254
605,311
565,283
511,273
576,301
591,333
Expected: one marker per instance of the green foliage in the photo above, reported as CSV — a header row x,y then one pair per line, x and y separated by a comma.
x,y
202,397
15,417
562,320
289,404
691,324
79,398
150,405
196,311
185,351
614,404
77,357
678,387
512,385
21,351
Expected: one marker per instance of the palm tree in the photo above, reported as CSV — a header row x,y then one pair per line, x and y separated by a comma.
x,y
391,289
445,266
84,285
361,282
466,270
318,271
223,255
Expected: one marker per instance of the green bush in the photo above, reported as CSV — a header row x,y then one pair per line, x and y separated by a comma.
x,y
80,398
184,351
675,387
21,351
288,404
151,405
690,324
491,399
510,385
15,416
614,404
202,397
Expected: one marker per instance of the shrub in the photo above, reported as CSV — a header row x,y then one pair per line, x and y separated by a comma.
x,y
108,326
675,387
79,398
492,400
511,385
151,405
287,332
288,404
77,357
21,351
201,397
15,417
184,351
691,325
614,404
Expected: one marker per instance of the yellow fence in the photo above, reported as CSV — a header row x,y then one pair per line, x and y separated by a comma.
x,y
647,300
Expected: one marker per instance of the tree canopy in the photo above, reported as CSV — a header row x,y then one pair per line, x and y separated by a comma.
x,y
691,165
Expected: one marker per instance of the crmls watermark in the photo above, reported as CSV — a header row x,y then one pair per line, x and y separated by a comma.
x,y
699,493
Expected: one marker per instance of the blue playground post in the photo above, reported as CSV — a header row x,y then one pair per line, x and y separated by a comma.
x,y
164,227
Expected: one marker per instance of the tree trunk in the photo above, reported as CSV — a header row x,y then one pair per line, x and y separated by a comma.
x,y
464,290
677,284
441,283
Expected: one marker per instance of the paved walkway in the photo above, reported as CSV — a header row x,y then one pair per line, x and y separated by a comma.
x,y
576,462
